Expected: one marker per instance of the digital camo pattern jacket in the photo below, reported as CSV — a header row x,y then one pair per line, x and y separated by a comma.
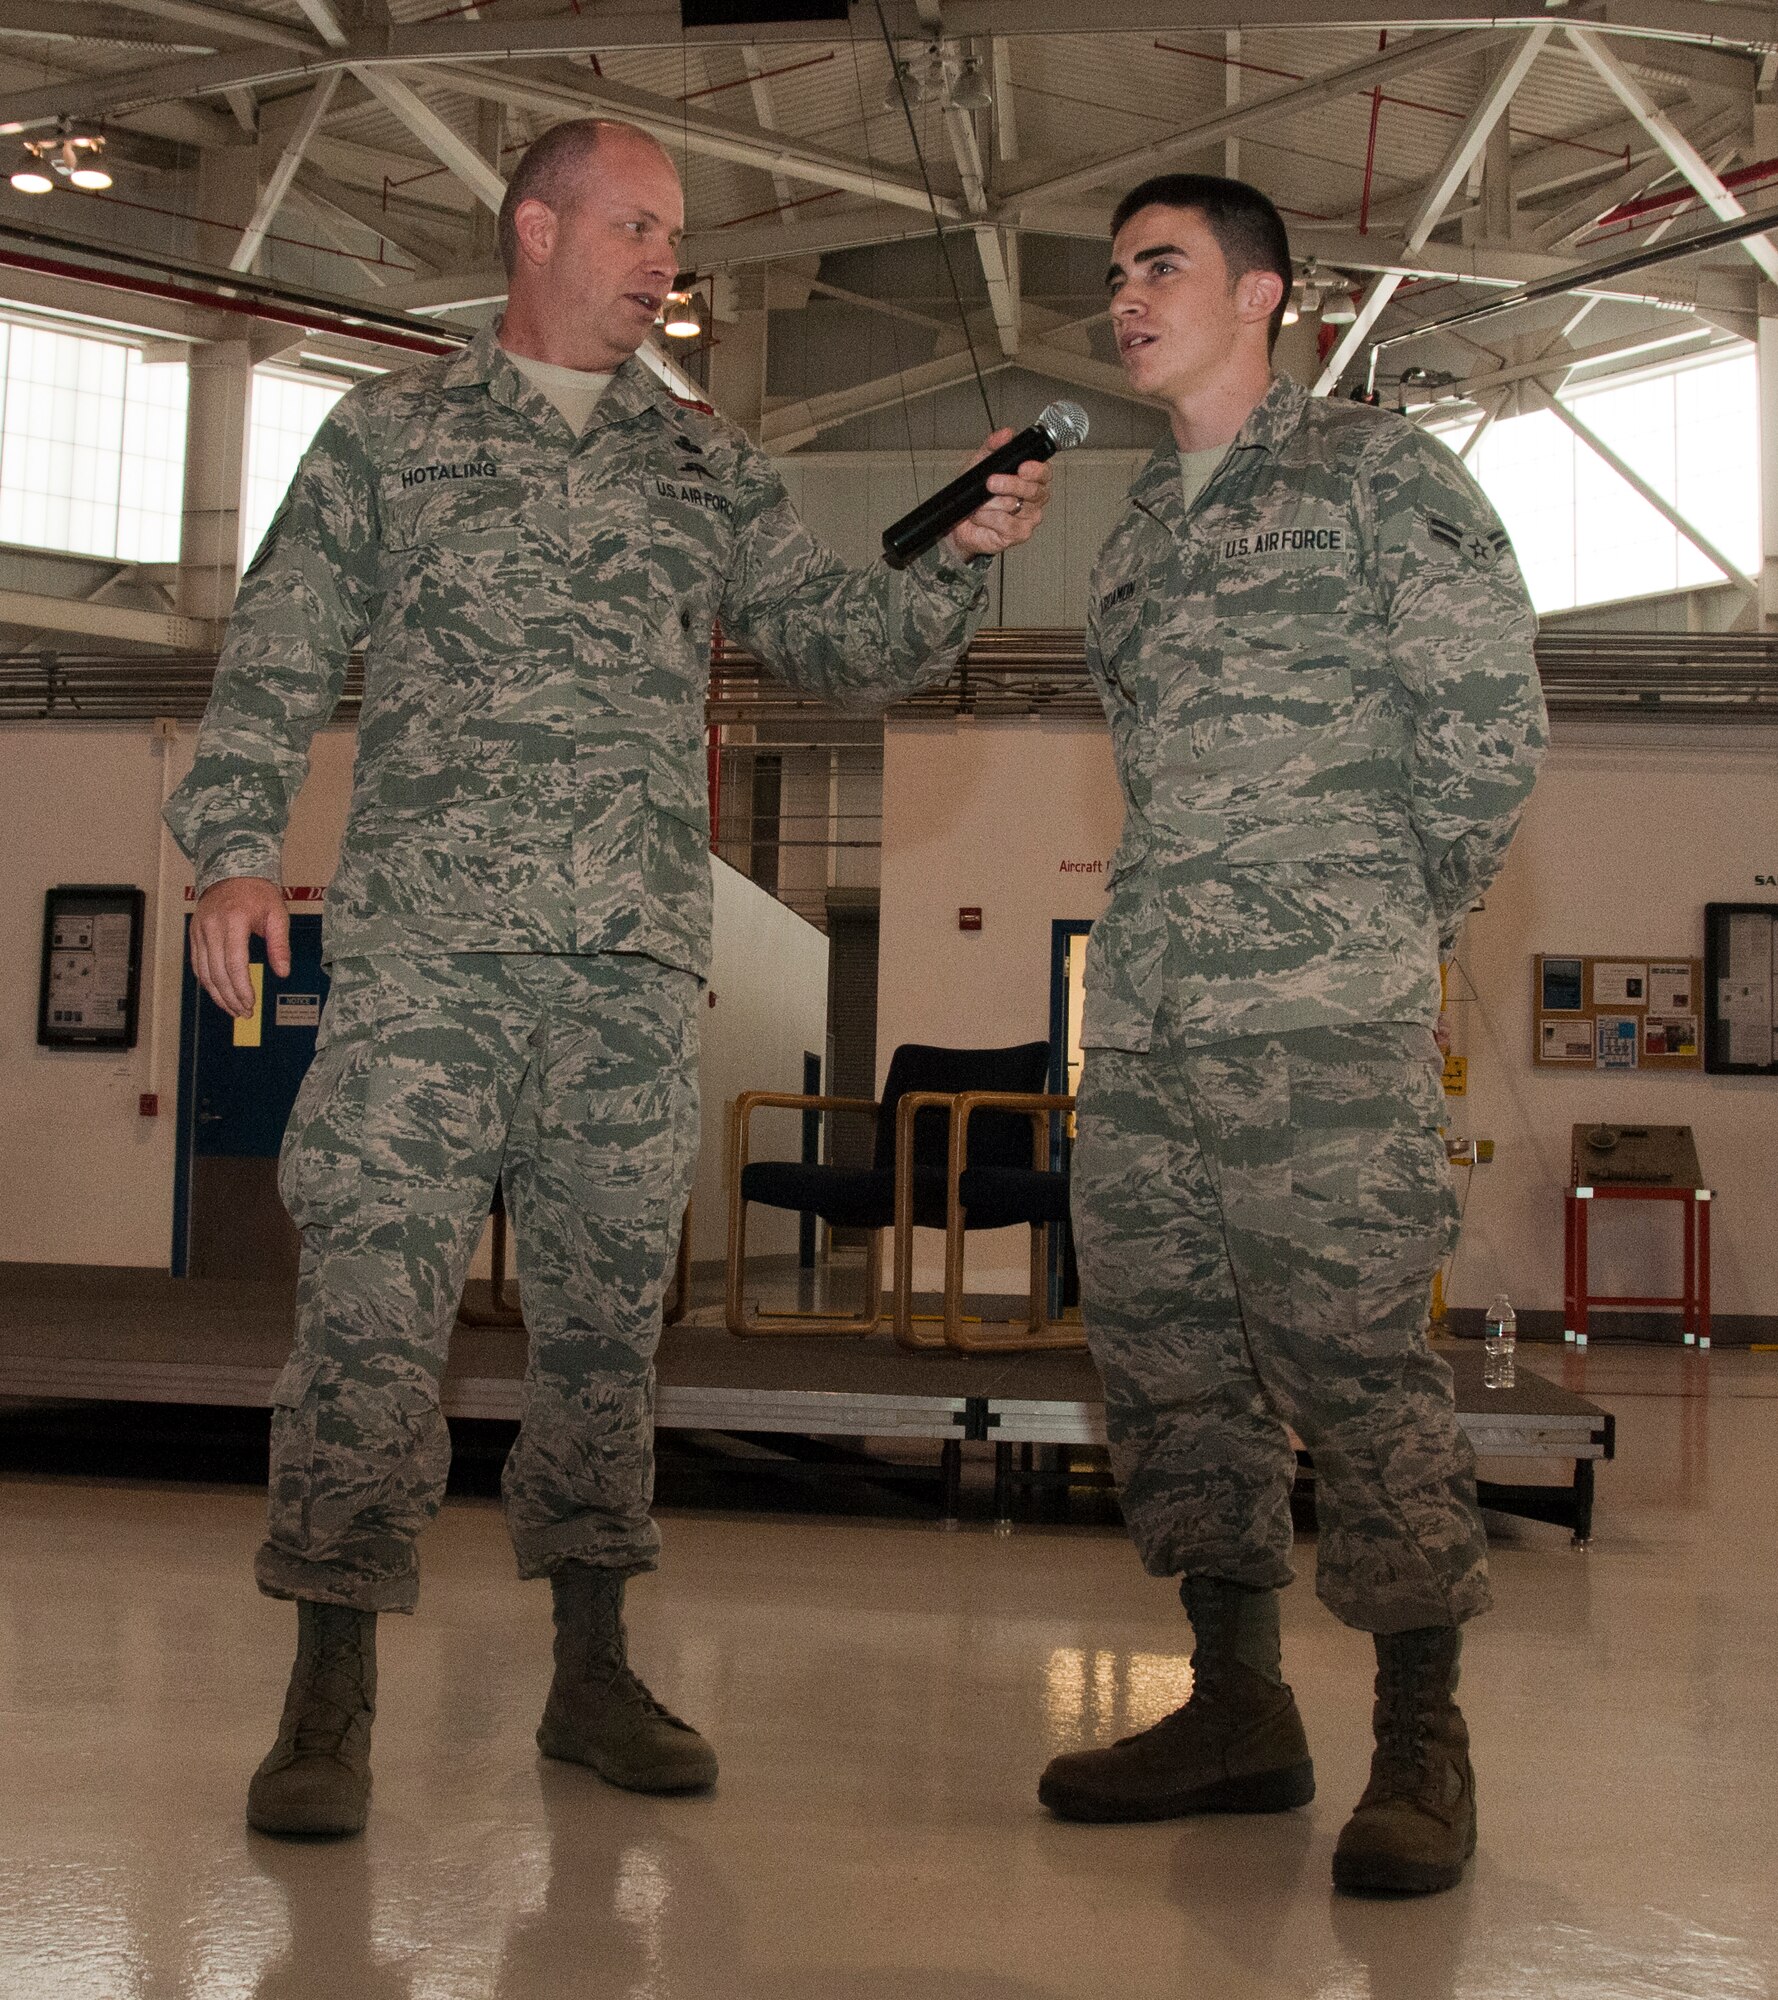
x,y
536,614
1326,718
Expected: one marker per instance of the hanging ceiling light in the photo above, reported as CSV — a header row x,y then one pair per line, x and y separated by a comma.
x,y
970,92
903,83
1292,312
84,167
30,176
1338,309
76,157
682,317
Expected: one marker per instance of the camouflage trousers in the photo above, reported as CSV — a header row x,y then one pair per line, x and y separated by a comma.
x,y
573,1081
1257,1224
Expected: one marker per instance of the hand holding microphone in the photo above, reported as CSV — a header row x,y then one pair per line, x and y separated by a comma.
x,y
998,501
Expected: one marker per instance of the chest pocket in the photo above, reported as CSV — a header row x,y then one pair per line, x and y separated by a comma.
x,y
474,521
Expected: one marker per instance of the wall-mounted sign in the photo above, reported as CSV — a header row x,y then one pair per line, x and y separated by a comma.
x,y
89,986
969,920
1741,989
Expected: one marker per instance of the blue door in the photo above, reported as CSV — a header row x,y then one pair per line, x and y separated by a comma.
x,y
237,1083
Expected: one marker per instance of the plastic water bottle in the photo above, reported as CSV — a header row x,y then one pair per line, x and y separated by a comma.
x,y
1500,1340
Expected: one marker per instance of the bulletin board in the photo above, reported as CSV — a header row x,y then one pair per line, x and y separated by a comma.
x,y
1741,990
1617,1012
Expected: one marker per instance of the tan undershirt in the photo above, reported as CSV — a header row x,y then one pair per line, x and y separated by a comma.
x,y
574,391
1195,468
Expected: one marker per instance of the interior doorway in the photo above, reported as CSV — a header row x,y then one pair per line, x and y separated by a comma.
x,y
237,1083
1068,963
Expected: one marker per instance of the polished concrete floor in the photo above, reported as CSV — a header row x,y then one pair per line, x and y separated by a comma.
x,y
883,1695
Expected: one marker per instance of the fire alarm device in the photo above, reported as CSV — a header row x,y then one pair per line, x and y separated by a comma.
x,y
969,920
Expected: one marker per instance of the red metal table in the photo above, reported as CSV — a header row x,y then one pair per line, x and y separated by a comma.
x,y
1693,1302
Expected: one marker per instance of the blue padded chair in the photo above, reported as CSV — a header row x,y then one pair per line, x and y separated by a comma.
x,y
913,1180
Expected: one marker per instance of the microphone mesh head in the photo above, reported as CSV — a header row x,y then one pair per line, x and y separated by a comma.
x,y
1066,424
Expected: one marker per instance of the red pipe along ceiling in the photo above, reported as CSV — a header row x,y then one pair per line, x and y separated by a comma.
x,y
379,330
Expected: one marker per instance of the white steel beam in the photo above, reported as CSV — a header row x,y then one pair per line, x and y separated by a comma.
x,y
1437,196
1634,479
38,612
767,242
1141,160
278,182
795,424
1673,142
578,94
229,25
1006,113
765,114
441,140
998,269
1731,25
325,20
54,21
1231,97
397,226
1478,386
1557,229
1490,411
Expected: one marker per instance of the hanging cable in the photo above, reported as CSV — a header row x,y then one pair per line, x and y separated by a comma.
x,y
938,227
907,422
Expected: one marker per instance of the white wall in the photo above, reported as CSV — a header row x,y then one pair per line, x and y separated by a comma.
x,y
849,498
1016,819
1628,836
84,1179
766,1006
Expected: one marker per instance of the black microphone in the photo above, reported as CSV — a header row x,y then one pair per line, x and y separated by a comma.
x,y
1059,428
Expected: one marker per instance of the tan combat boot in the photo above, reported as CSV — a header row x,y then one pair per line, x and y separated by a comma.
x,y
1236,1746
316,1777
598,1712
1414,1829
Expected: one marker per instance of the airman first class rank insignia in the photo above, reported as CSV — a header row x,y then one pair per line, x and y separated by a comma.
x,y
1470,543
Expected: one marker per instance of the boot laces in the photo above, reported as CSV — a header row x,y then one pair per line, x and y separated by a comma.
x,y
334,1697
629,1686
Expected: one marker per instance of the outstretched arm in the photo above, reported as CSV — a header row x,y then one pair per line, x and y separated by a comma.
x,y
866,636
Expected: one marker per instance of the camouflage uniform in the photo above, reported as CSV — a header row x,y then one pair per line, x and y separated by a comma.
x,y
1326,721
521,909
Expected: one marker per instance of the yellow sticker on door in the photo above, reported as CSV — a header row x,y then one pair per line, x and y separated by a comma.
x,y
249,1027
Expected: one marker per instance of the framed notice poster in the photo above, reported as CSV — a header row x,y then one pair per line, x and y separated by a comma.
x,y
91,982
1741,989
1617,1013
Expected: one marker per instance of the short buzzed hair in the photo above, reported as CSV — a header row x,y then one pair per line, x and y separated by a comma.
x,y
550,171
1248,229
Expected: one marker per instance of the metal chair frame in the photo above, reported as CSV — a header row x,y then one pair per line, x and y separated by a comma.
x,y
740,1320
1038,1330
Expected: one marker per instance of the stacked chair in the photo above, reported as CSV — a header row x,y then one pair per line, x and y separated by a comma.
x,y
961,1142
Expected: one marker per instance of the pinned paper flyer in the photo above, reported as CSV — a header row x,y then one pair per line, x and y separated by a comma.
x,y
1620,985
1568,1041
1617,1041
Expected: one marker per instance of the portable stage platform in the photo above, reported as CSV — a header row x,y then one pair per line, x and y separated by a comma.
x,y
76,1335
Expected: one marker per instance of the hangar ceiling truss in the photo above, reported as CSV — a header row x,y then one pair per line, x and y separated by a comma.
x,y
1433,156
